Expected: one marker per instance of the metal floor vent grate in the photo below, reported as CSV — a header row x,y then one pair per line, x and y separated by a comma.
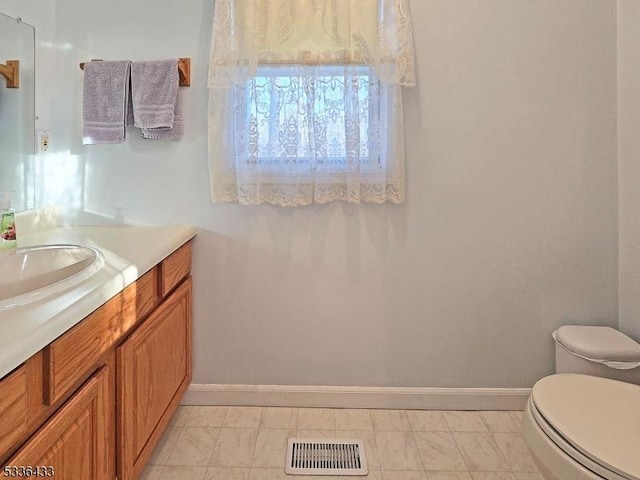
x,y
307,456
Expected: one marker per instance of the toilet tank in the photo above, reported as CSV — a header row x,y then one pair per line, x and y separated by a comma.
x,y
598,351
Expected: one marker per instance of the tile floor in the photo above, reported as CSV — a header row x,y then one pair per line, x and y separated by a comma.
x,y
249,443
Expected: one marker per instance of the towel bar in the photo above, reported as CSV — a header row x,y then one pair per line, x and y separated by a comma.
x,y
11,71
184,68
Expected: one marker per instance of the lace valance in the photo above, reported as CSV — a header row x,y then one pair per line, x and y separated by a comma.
x,y
248,33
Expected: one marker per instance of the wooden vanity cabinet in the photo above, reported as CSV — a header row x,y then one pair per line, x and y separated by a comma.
x,y
94,403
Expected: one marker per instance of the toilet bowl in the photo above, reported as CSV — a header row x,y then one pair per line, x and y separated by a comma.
x,y
581,427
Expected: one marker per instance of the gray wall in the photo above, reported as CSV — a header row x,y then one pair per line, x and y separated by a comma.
x,y
509,230
629,164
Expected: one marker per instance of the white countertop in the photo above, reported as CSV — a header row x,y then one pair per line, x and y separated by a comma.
x,y
129,252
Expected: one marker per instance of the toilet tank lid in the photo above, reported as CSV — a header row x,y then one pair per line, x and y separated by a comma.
x,y
601,344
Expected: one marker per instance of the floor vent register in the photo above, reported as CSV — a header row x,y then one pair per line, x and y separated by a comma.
x,y
307,456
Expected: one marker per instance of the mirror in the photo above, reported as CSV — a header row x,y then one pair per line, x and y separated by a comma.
x,y
17,113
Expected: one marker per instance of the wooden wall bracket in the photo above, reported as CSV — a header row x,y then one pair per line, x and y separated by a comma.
x,y
11,72
184,69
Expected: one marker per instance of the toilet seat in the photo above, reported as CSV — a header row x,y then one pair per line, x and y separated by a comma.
x,y
596,421
559,441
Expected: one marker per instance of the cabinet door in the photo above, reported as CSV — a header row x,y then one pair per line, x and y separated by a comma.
x,y
78,440
154,370
14,408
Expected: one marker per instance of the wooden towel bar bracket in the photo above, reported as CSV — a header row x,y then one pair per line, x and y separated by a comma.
x,y
11,72
184,69
184,66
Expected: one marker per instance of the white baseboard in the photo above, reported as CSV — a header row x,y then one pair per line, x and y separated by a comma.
x,y
358,397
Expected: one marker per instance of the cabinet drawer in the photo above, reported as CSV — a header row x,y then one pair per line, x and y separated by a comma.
x,y
141,297
174,268
69,358
14,405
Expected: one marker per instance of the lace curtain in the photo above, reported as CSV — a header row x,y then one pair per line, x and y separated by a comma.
x,y
305,100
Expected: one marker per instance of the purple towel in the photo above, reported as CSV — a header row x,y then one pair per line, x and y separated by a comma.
x,y
156,101
105,100
167,133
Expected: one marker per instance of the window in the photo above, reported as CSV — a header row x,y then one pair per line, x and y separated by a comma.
x,y
305,101
319,120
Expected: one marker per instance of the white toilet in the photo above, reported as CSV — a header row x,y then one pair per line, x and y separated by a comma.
x,y
582,426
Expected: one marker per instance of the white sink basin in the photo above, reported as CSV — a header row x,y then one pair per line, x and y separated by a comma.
x,y
32,273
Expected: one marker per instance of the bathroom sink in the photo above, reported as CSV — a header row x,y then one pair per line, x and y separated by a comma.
x,y
32,273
